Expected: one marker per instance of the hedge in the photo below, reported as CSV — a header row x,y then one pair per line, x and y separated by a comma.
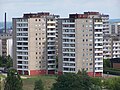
x,y
111,71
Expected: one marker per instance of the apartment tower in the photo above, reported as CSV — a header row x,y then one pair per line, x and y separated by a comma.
x,y
80,39
34,43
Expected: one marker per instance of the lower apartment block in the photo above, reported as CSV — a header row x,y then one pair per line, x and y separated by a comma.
x,y
111,46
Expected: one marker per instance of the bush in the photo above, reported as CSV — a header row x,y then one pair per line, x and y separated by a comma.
x,y
112,71
112,83
80,81
13,81
39,85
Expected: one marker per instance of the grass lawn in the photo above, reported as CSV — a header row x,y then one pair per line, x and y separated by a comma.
x,y
1,83
2,76
28,84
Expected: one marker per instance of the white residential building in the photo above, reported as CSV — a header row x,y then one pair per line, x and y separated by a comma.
x,y
80,39
34,40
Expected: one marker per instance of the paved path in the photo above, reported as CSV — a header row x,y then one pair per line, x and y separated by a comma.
x,y
108,75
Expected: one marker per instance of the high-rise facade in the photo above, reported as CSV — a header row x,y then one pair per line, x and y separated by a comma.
x,y
43,42
34,41
80,39
105,20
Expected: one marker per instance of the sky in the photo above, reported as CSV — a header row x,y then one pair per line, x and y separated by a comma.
x,y
16,8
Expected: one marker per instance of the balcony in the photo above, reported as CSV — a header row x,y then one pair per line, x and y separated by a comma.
x,y
51,22
22,50
98,23
51,31
51,26
98,65
96,27
69,42
68,23
51,68
98,37
99,56
68,71
98,70
51,40
98,41
98,32
99,47
22,69
98,61
69,62
68,56
51,64
22,55
68,33
69,66
98,51
68,37
51,54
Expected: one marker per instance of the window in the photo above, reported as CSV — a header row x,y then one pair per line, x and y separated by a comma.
x,y
90,49
90,44
90,63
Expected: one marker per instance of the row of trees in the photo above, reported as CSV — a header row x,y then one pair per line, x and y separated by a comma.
x,y
68,81
81,81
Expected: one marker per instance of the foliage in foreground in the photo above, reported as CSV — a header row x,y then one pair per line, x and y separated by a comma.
x,y
112,83
96,83
106,63
39,85
80,81
13,81
6,61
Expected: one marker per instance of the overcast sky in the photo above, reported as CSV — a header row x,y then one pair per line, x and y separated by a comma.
x,y
16,8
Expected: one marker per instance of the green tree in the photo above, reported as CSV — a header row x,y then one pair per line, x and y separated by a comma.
x,y
86,80
71,81
9,62
13,80
96,83
68,81
0,61
112,83
6,61
106,63
39,85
